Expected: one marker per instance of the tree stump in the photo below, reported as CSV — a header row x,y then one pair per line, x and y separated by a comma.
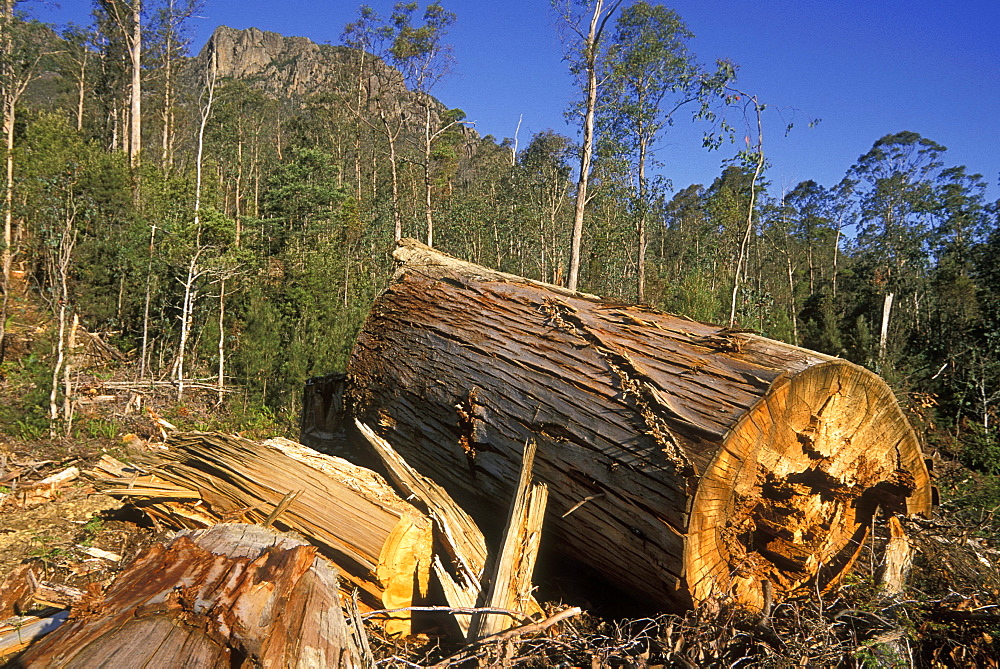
x,y
684,461
232,595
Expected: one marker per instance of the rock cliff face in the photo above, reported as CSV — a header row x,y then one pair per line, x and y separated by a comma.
x,y
291,67
296,68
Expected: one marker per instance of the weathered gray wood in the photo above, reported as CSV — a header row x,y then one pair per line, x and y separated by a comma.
x,y
708,460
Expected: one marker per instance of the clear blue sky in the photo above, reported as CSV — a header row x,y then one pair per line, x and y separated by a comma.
x,y
865,67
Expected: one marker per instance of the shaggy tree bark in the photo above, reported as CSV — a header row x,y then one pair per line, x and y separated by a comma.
x,y
684,461
232,595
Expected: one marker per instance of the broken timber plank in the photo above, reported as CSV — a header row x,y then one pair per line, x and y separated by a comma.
x,y
382,544
710,460
231,595
509,586
456,532
897,561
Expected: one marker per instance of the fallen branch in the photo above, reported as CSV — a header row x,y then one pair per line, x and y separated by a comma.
x,y
470,651
463,611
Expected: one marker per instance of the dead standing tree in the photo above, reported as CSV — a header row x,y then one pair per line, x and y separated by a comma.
x,y
684,461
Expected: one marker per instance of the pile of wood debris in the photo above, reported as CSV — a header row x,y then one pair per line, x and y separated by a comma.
x,y
695,467
229,584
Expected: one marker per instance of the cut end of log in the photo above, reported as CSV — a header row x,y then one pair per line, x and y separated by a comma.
x,y
791,494
685,461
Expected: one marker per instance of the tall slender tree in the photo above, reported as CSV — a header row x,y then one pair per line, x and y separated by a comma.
x,y
652,75
585,23
895,189
126,16
20,55
168,28
370,34
420,53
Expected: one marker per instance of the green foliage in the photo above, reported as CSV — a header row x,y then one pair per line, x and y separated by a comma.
x,y
48,557
28,379
90,530
976,500
297,218
980,449
98,428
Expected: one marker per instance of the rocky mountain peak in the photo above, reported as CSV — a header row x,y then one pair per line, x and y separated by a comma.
x,y
291,67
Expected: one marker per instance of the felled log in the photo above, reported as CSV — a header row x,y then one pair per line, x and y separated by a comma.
x,y
231,595
684,461
381,544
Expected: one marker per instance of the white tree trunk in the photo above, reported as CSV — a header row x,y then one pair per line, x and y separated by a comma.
x,y
67,375
222,339
135,52
144,355
883,338
57,368
187,308
741,261
587,153
6,254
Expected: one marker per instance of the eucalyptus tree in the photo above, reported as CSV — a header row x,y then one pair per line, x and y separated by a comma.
x,y
960,341
585,43
817,217
51,192
896,203
298,320
78,61
110,85
22,48
371,35
71,197
651,75
727,203
420,53
237,139
126,18
169,44
545,168
807,202
752,157
980,392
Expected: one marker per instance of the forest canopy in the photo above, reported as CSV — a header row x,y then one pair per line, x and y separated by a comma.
x,y
228,217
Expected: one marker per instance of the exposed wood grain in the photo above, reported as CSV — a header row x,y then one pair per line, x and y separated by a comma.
x,y
509,585
227,596
16,590
382,544
898,559
456,532
710,460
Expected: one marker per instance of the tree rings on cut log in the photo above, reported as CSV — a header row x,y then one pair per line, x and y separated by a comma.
x,y
684,461
791,494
